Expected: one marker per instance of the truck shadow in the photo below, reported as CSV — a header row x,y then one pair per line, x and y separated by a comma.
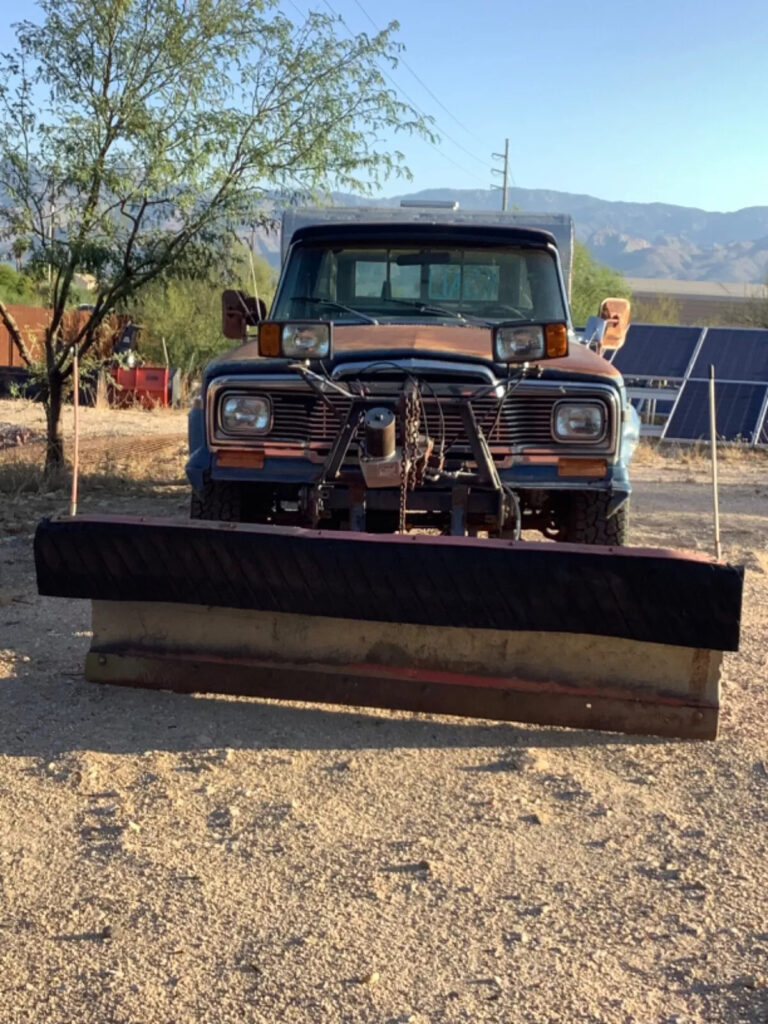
x,y
51,716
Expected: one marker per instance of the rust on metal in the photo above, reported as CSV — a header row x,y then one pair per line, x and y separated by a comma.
x,y
557,679
509,700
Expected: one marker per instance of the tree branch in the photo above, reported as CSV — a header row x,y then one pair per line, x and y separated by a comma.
x,y
16,336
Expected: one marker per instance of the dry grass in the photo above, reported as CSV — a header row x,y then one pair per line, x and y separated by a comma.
x,y
660,454
133,468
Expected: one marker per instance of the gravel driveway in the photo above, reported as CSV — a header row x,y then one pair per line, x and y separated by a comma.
x,y
168,859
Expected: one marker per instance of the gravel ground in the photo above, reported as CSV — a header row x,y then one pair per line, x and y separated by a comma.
x,y
168,859
24,416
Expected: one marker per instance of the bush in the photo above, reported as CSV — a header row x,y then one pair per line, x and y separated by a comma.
x,y
17,289
593,282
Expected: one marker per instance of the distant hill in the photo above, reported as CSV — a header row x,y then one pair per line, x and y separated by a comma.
x,y
639,239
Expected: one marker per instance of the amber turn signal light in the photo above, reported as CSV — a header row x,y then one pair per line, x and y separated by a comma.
x,y
556,340
269,339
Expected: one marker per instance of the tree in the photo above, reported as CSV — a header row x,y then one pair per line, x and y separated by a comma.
x,y
165,309
18,248
135,142
593,282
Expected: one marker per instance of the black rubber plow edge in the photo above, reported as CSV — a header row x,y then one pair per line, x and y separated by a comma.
x,y
649,595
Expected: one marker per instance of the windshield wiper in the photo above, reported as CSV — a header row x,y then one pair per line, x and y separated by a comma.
x,y
428,307
336,305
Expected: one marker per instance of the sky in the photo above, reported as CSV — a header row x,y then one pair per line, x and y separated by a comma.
x,y
659,101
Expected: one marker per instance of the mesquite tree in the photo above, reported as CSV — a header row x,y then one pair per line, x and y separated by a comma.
x,y
137,137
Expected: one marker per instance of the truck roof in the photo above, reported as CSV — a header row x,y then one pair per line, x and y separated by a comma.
x,y
559,225
419,233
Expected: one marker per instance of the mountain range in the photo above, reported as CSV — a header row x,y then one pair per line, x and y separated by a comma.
x,y
651,240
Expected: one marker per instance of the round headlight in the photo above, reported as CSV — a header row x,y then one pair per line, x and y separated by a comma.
x,y
579,421
246,414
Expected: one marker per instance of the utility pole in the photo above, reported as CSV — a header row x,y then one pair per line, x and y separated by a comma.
x,y
503,173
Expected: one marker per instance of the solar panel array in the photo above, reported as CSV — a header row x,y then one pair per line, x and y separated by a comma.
x,y
667,371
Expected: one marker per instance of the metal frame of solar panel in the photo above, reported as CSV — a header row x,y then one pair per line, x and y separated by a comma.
x,y
740,359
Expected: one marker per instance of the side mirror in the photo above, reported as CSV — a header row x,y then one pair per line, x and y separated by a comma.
x,y
616,313
594,332
239,312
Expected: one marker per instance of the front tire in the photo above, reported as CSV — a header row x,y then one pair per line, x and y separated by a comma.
x,y
587,520
219,500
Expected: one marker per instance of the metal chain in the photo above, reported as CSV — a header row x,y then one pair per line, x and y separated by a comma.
x,y
409,468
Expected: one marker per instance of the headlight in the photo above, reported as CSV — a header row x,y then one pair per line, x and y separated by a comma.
x,y
299,339
246,414
579,421
519,344
524,343
306,341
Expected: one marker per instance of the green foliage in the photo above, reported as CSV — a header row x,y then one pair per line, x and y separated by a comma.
x,y
17,289
186,312
593,282
665,309
135,143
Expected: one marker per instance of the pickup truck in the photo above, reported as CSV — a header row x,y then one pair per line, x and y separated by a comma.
x,y
417,370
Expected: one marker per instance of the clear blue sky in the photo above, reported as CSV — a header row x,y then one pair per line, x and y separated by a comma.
x,y
664,100
661,100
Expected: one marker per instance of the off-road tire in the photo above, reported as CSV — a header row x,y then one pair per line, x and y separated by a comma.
x,y
219,500
587,521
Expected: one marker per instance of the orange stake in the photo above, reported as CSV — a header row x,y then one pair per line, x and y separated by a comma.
x,y
76,451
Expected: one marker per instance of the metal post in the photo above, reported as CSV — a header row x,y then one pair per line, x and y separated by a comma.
x,y
76,450
713,446
505,187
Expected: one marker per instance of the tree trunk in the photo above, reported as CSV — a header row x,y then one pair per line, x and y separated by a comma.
x,y
54,452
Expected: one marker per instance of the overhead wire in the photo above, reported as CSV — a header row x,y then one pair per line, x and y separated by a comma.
x,y
443,133
411,100
423,84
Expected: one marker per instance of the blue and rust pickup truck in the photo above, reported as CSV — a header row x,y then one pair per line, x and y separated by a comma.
x,y
418,369
418,374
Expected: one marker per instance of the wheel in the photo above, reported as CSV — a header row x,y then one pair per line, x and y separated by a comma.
x,y
219,500
587,521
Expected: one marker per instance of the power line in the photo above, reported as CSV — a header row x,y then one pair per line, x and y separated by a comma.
x,y
422,83
416,107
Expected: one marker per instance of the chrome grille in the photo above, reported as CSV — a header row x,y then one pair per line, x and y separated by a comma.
x,y
525,421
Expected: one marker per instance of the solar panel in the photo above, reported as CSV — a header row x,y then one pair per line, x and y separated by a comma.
x,y
738,408
736,353
654,350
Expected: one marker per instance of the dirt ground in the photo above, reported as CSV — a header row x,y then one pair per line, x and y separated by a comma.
x,y
168,859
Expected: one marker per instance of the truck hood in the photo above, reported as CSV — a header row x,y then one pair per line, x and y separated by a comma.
x,y
443,339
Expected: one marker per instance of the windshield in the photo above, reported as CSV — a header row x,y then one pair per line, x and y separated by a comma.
x,y
351,284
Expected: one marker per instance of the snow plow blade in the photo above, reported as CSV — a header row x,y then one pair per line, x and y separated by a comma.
x,y
620,639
